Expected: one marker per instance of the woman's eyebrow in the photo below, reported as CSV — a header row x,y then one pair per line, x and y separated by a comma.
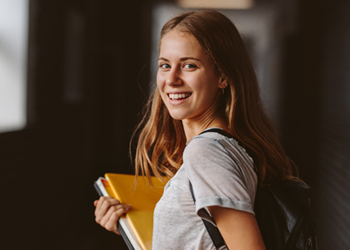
x,y
163,59
181,59
189,58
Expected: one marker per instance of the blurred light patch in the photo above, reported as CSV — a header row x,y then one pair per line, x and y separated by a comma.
x,y
13,63
216,4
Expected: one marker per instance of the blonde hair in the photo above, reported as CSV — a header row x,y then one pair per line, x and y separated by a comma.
x,y
162,140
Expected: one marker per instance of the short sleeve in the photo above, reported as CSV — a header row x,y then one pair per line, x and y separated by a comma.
x,y
221,174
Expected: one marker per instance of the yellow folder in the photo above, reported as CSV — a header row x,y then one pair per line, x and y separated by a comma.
x,y
142,198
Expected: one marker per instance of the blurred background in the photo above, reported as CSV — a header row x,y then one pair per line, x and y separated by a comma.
x,y
74,76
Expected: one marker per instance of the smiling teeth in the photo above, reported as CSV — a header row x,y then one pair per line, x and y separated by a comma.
x,y
178,96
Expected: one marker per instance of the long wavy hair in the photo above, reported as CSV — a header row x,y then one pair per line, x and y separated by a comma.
x,y
161,139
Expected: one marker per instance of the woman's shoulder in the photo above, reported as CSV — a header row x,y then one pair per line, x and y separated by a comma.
x,y
210,139
205,141
216,144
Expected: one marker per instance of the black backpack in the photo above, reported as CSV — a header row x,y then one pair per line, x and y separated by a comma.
x,y
283,213
284,216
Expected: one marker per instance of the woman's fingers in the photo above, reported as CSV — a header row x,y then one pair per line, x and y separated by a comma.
x,y
106,201
103,204
107,212
111,224
109,221
117,211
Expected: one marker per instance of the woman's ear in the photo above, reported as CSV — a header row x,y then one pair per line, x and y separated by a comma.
x,y
223,82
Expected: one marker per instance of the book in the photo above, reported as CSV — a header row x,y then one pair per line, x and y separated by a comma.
x,y
136,227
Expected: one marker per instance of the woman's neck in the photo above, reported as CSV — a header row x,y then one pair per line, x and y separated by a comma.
x,y
193,129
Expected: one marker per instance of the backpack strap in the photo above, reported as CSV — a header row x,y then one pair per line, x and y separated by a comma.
x,y
219,131
213,231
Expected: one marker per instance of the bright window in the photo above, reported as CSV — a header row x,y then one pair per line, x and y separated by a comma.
x,y
13,63
216,4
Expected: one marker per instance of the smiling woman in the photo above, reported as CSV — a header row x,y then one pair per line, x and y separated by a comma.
x,y
187,80
205,83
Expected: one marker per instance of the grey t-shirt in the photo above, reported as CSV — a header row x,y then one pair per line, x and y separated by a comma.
x,y
221,173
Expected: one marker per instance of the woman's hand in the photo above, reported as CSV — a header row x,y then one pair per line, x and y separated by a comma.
x,y
107,212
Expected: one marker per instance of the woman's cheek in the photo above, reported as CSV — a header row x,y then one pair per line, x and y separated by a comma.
x,y
160,81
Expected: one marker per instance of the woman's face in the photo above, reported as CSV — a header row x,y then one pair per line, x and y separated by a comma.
x,y
187,80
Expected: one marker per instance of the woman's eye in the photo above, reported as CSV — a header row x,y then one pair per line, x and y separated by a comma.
x,y
164,66
190,66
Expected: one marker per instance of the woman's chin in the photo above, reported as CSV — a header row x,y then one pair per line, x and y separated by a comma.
x,y
177,116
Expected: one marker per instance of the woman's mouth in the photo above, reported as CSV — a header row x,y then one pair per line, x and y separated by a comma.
x,y
179,96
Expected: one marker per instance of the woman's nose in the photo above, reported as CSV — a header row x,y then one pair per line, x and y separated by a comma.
x,y
173,78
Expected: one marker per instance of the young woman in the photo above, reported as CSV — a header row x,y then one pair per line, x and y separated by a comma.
x,y
205,80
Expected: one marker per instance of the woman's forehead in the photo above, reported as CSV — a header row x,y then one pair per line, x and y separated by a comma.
x,y
181,42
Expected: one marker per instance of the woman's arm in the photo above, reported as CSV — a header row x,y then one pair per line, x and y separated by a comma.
x,y
239,229
107,212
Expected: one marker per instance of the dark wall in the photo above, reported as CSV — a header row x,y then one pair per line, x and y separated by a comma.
x,y
333,174
317,113
87,62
